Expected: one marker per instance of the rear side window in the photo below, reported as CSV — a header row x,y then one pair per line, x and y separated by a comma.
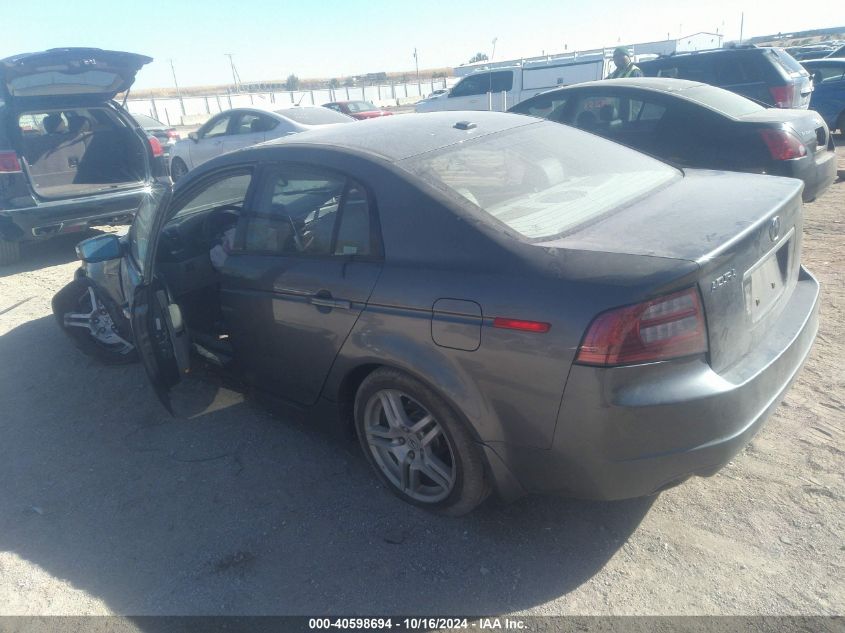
x,y
541,180
309,211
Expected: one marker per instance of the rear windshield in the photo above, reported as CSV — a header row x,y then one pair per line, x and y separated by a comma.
x,y
724,101
542,180
147,121
314,116
787,61
59,83
360,106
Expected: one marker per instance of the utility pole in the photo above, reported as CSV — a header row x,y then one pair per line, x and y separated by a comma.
x,y
236,79
493,54
176,83
741,26
417,63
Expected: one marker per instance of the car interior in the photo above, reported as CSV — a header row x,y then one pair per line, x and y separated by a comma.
x,y
71,152
293,216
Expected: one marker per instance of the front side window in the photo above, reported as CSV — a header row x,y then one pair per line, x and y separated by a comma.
x,y
472,85
228,191
216,128
542,180
308,211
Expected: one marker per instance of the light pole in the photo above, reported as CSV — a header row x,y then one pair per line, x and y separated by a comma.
x,y
176,83
235,76
417,64
493,54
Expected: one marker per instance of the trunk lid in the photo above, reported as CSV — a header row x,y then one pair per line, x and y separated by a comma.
x,y
85,75
807,124
742,230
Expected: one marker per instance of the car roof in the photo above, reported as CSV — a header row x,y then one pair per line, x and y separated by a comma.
x,y
398,137
824,61
709,51
655,84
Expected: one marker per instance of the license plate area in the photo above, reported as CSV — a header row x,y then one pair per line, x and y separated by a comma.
x,y
764,283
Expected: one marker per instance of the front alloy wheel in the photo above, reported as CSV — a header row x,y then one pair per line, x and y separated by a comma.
x,y
94,323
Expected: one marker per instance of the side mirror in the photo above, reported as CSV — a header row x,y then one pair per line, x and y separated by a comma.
x,y
193,136
99,249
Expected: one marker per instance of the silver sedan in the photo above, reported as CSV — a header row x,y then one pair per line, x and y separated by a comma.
x,y
242,127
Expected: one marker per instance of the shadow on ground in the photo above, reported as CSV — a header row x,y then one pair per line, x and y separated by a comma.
x,y
239,512
53,252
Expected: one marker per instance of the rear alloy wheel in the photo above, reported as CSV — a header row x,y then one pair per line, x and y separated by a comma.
x,y
10,252
94,323
417,445
178,169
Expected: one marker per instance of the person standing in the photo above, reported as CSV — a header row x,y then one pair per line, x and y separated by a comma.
x,y
624,65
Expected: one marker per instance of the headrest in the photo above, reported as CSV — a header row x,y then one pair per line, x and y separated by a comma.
x,y
608,112
586,120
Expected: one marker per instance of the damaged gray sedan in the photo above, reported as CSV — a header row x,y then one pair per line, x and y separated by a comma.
x,y
494,304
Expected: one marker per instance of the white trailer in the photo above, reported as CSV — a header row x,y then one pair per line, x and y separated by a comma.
x,y
499,88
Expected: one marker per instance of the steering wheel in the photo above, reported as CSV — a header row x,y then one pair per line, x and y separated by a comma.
x,y
218,221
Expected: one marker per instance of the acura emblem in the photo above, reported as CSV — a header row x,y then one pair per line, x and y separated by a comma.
x,y
774,228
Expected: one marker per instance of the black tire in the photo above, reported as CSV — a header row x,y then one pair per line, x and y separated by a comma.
x,y
469,482
178,169
840,123
10,252
69,299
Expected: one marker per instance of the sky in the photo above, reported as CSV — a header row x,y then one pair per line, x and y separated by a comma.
x,y
270,39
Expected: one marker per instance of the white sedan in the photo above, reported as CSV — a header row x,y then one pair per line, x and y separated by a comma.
x,y
242,127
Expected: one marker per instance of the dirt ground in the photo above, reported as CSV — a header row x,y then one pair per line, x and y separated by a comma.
x,y
108,505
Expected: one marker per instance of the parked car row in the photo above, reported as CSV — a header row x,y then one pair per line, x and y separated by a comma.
x,y
492,302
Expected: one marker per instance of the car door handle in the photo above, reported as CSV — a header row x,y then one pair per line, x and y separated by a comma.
x,y
325,302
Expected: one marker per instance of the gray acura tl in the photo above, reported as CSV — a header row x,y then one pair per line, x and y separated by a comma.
x,y
492,302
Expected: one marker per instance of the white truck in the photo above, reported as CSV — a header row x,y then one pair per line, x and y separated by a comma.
x,y
499,88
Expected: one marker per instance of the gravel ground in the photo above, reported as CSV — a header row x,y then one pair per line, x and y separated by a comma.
x,y
108,505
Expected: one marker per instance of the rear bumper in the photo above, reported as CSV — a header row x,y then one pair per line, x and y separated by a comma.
x,y
69,216
817,171
632,431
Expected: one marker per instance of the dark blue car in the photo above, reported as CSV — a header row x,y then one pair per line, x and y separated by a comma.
x,y
829,95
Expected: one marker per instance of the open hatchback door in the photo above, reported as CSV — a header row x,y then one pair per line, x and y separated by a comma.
x,y
85,75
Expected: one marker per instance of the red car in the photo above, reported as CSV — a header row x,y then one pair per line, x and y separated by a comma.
x,y
357,109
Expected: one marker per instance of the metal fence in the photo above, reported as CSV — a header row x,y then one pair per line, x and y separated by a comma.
x,y
193,110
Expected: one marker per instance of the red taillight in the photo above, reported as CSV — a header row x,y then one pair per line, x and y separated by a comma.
x,y
782,96
173,134
518,324
9,162
659,329
783,145
156,146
